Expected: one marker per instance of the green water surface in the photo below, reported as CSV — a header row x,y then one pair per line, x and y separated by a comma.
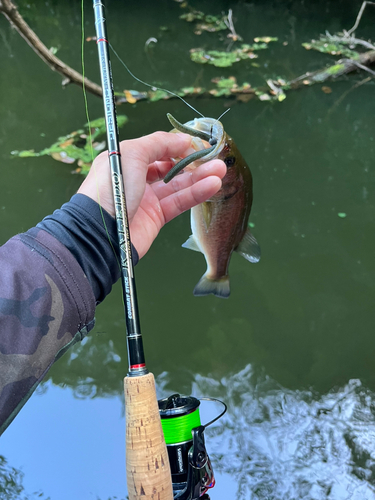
x,y
292,351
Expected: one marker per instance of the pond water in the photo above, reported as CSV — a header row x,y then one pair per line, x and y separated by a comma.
x,y
292,351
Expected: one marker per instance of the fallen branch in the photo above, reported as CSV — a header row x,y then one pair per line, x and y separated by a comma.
x,y
14,17
349,40
342,67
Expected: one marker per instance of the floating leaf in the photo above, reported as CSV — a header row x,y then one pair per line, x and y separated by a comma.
x,y
129,97
263,96
68,142
157,95
245,97
209,22
191,91
326,90
342,215
76,145
24,154
266,39
225,59
63,157
192,16
328,46
228,86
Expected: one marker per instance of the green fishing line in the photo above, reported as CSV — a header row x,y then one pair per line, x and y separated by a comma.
x,y
178,429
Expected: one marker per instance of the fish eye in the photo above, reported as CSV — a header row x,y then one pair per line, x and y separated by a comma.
x,y
229,161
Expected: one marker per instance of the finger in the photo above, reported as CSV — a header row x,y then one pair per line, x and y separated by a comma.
x,y
215,167
138,154
158,169
183,200
156,146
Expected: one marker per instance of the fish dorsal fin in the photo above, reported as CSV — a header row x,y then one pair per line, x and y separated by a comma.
x,y
207,213
249,247
191,244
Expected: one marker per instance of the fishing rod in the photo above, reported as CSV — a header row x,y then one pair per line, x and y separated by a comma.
x,y
180,469
147,463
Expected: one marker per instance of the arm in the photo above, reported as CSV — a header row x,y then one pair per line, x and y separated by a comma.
x,y
53,276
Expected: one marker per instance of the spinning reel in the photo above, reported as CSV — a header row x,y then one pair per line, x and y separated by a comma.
x,y
191,469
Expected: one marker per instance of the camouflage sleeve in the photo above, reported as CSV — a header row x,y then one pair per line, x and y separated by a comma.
x,y
46,305
51,279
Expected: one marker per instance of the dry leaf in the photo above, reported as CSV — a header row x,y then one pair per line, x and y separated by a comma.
x,y
66,143
62,157
245,97
326,90
129,97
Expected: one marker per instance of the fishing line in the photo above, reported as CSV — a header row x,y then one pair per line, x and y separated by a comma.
x,y
178,430
178,422
222,114
152,87
184,437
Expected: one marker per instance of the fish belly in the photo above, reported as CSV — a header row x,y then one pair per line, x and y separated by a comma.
x,y
217,228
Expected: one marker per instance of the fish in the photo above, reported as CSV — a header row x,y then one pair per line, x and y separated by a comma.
x,y
220,224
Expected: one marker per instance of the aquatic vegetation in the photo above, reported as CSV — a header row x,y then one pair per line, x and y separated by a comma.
x,y
229,86
207,22
76,146
327,46
223,59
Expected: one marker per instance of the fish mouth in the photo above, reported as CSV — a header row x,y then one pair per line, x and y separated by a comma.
x,y
202,130
215,132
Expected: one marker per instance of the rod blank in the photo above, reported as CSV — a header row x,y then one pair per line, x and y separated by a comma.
x,y
147,463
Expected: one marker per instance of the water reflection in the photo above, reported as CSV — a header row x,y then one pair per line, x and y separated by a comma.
x,y
11,483
273,443
276,443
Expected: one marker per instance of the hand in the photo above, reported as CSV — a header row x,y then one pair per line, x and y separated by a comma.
x,y
150,202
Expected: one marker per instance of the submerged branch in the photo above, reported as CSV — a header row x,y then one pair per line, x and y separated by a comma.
x,y
349,40
343,96
342,67
14,17
275,89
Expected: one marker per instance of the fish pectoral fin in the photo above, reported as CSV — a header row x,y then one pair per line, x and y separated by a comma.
x,y
191,244
249,247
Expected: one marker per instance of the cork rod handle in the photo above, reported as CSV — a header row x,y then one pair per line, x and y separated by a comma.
x,y
147,463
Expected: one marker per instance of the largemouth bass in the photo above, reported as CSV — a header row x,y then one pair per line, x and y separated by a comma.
x,y
219,225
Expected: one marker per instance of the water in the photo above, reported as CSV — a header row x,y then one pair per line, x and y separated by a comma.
x,y
292,350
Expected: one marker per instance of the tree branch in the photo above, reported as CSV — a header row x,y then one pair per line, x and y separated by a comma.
x,y
357,21
14,17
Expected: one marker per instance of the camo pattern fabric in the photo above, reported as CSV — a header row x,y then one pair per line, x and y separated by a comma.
x,y
46,305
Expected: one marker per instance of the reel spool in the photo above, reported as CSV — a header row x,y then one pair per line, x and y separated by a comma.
x,y
191,469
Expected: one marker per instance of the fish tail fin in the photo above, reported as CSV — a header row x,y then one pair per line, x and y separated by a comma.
x,y
219,287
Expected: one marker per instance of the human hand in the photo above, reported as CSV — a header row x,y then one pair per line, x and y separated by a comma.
x,y
150,202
